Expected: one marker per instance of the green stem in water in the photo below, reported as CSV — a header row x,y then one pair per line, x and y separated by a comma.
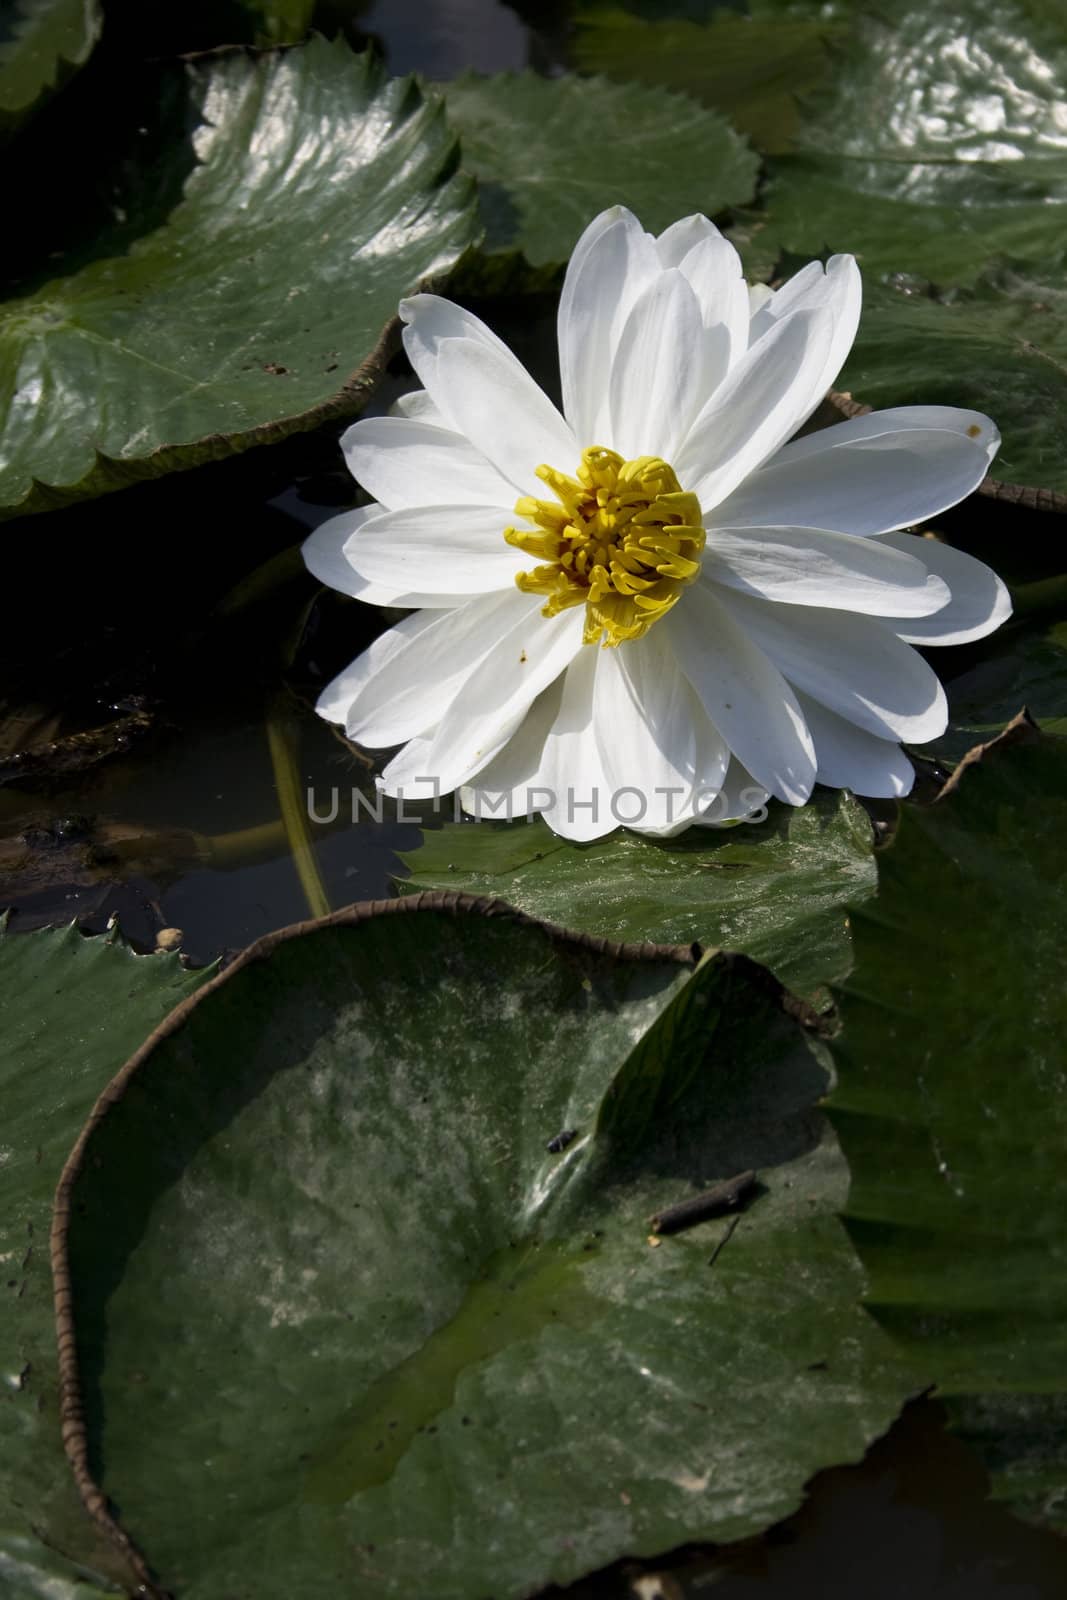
x,y
282,738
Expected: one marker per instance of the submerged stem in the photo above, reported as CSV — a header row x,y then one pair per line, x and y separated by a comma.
x,y
282,741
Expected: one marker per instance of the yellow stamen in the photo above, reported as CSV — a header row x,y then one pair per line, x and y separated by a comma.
x,y
623,540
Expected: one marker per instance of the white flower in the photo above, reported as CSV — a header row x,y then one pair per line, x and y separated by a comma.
x,y
653,608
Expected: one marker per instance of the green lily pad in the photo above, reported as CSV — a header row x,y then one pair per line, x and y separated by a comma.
x,y
951,1106
999,348
752,69
42,43
550,153
323,193
71,1010
936,146
340,1309
776,890
1023,668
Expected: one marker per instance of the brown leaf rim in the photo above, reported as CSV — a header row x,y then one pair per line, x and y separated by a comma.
x,y
450,902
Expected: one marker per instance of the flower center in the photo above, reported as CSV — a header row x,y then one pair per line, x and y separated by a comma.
x,y
623,540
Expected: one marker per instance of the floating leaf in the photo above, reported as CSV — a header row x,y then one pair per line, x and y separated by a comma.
x,y
550,153
951,1105
776,890
1020,669
1000,348
71,1009
340,1309
258,307
42,42
936,147
753,69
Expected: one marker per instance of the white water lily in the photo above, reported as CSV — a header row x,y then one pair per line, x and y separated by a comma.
x,y
653,608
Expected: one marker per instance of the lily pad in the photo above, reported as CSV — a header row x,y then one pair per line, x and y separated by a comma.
x,y
776,890
42,43
71,1009
363,1291
550,153
1000,347
752,69
1023,668
324,191
951,1106
936,147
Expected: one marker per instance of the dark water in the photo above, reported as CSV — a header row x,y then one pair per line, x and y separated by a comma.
x,y
178,603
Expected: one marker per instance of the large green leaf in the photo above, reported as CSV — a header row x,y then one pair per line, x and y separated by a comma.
x,y
776,890
322,195
345,1322
936,147
550,153
71,1010
753,69
1000,348
951,1105
1023,667
41,43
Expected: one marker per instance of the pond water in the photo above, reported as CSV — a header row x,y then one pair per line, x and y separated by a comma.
x,y
163,620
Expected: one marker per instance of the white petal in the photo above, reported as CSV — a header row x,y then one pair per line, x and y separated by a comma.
x,y
429,321
713,268
336,700
405,686
743,693
323,550
404,463
759,295
798,291
457,550
325,558
811,567
525,660
571,768
763,399
509,786
980,430
739,798
655,738
839,288
855,665
655,381
979,603
682,236
851,758
419,407
610,265
504,414
870,475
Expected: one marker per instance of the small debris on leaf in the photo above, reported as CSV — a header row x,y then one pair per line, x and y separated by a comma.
x,y
723,1197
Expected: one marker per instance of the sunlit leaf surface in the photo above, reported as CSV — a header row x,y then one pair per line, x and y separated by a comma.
x,y
322,194
550,153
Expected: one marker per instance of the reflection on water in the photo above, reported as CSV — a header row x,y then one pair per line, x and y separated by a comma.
x,y
442,38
